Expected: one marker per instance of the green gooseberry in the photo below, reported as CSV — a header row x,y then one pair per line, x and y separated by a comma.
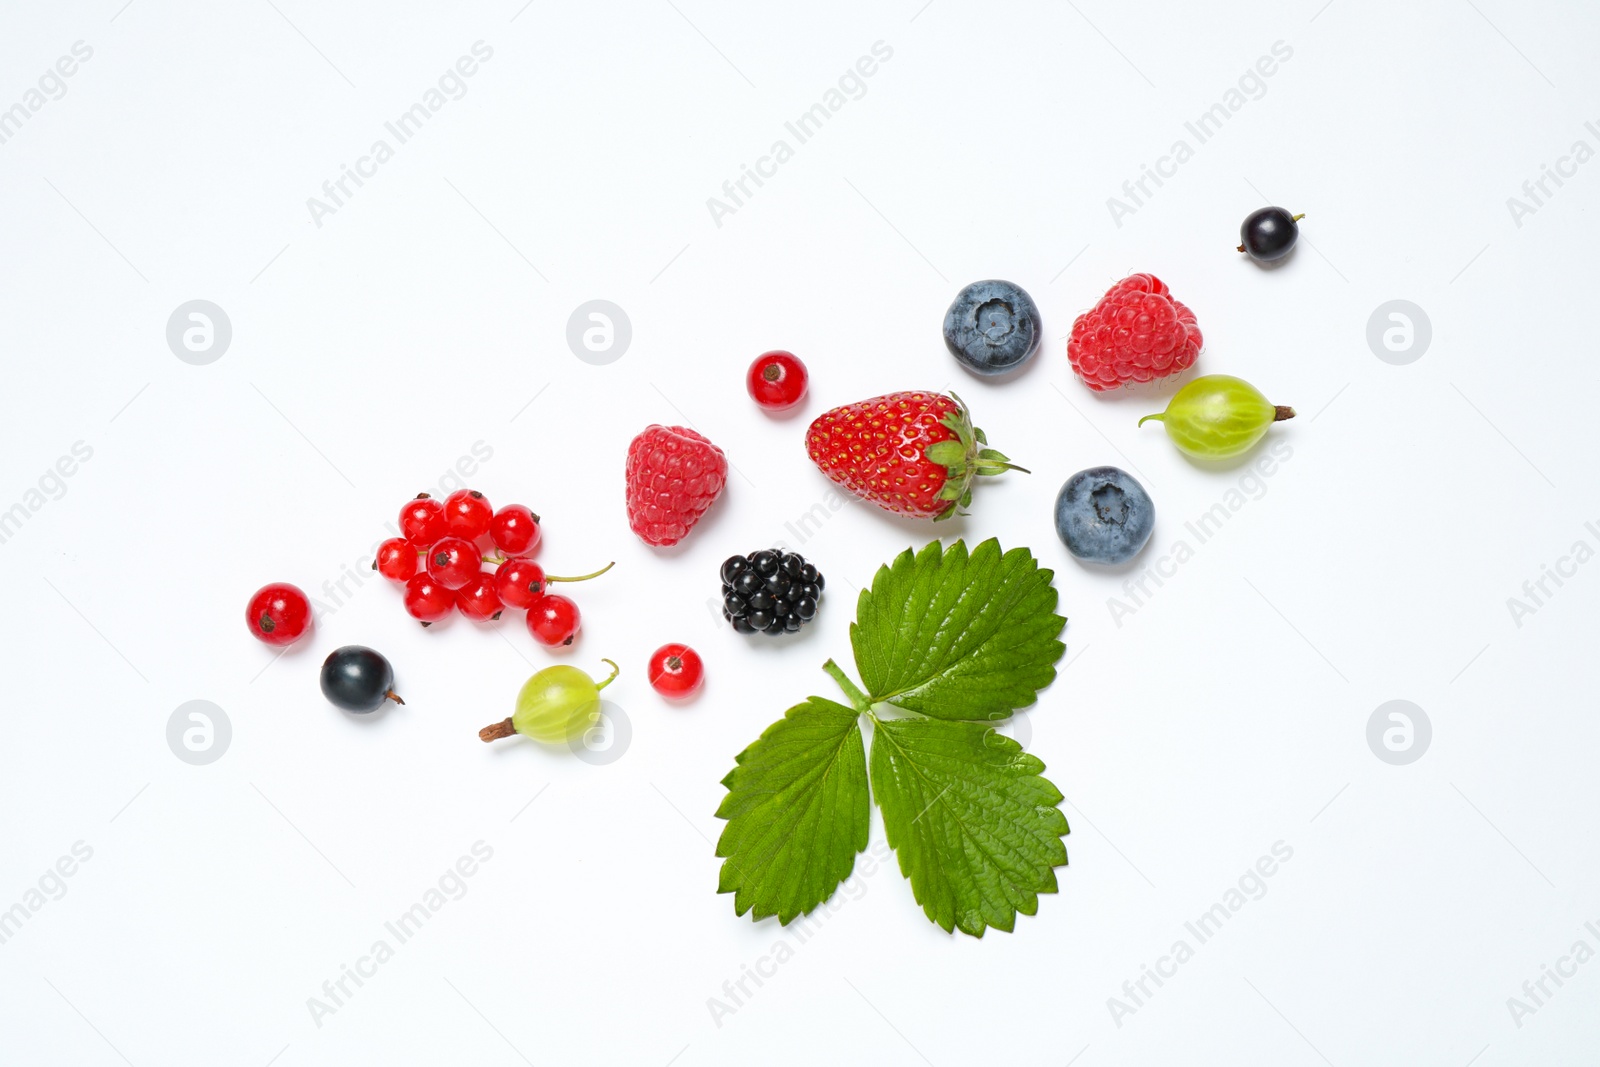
x,y
1217,416
555,706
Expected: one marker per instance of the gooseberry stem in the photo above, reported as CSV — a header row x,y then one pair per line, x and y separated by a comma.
x,y
581,578
497,731
615,670
1160,416
858,699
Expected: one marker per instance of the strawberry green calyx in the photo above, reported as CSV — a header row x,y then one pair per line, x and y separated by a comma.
x,y
965,458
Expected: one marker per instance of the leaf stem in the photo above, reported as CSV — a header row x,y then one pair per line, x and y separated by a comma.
x,y
858,699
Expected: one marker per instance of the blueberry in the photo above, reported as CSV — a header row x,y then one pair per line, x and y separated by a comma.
x,y
1103,515
992,327
1269,234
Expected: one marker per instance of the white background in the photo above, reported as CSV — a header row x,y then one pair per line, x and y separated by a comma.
x,y
370,353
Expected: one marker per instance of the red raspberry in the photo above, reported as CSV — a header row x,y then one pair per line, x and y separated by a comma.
x,y
1137,333
674,474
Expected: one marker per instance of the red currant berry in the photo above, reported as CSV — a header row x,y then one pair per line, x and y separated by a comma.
x,y
676,671
453,562
776,381
468,513
426,600
519,581
422,521
478,599
515,530
397,559
554,620
279,614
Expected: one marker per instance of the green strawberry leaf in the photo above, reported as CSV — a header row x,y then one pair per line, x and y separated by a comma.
x,y
797,810
955,636
975,826
954,640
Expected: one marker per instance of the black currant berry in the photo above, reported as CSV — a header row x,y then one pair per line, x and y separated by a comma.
x,y
769,590
1269,234
356,678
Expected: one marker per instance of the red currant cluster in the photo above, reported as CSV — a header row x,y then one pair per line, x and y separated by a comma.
x,y
439,556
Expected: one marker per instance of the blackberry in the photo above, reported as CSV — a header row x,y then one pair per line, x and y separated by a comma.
x,y
770,590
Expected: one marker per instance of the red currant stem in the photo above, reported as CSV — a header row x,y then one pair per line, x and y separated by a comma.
x,y
505,728
392,695
615,670
496,560
581,577
1281,412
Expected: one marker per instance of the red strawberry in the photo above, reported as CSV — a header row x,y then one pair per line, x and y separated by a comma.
x,y
911,453
1137,333
674,474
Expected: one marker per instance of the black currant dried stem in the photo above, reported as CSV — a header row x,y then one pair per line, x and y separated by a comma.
x,y
1282,412
392,695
